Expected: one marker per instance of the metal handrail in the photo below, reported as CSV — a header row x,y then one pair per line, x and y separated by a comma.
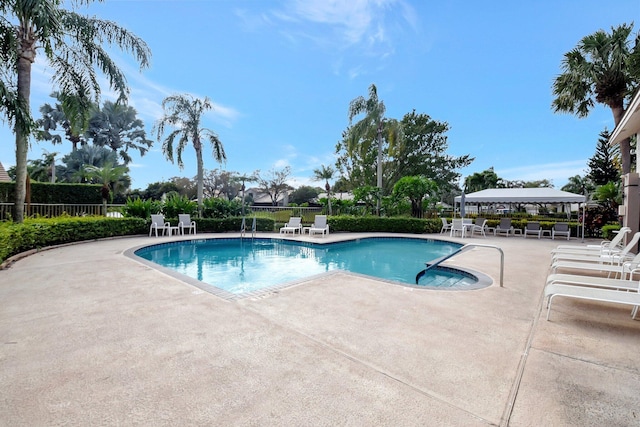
x,y
464,249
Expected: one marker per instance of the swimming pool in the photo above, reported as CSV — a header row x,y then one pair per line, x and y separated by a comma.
x,y
240,266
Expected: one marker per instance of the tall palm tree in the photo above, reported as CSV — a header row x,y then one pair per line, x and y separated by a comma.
x,y
184,113
373,126
602,68
325,173
73,45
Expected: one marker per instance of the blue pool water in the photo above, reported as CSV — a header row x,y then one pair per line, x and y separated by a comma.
x,y
245,265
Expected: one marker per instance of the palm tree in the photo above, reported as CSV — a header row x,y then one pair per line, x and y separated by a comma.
x,y
116,126
184,113
73,46
602,68
373,126
579,185
70,114
325,173
112,177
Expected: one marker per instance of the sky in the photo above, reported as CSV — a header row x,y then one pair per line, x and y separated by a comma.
x,y
281,75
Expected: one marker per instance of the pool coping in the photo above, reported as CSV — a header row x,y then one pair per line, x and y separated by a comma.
x,y
483,280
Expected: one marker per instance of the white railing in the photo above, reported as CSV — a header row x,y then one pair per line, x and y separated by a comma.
x,y
58,209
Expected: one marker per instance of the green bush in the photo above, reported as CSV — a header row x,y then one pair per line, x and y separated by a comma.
x,y
215,207
176,204
378,224
44,192
38,233
138,208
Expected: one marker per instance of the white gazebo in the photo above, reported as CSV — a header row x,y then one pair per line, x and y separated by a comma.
x,y
523,196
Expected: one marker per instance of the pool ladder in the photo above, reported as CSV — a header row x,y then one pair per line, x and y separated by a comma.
x,y
459,251
243,227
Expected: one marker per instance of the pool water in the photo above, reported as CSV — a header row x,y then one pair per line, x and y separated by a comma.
x,y
246,265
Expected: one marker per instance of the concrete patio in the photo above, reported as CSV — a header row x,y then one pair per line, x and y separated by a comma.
x,y
92,337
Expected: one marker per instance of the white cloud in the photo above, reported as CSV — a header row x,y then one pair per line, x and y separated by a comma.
x,y
355,22
558,172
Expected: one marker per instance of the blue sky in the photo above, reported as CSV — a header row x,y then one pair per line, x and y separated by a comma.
x,y
281,75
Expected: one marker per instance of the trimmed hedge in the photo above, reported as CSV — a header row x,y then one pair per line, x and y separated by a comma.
x,y
39,233
392,225
42,232
44,192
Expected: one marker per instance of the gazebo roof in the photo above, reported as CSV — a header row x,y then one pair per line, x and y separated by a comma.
x,y
522,195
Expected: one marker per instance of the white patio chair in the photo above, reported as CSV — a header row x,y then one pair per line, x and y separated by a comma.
x,y
480,226
457,226
158,223
185,223
446,226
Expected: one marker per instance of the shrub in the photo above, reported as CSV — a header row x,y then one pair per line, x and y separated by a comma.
x,y
138,208
41,232
176,204
393,225
215,207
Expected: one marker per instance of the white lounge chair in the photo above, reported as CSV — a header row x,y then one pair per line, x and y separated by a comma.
x,y
185,223
294,225
480,226
504,227
158,223
533,228
446,226
624,269
594,294
611,258
594,281
615,244
560,229
319,226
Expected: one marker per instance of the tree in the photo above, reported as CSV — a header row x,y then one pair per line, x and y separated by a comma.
x,y
325,173
73,46
112,177
58,116
89,155
481,181
184,113
372,127
220,183
602,68
243,179
423,152
42,170
602,168
303,194
274,183
117,127
579,185
415,188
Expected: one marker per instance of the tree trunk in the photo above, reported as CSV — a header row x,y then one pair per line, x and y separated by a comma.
x,y
25,59
200,177
328,188
379,171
